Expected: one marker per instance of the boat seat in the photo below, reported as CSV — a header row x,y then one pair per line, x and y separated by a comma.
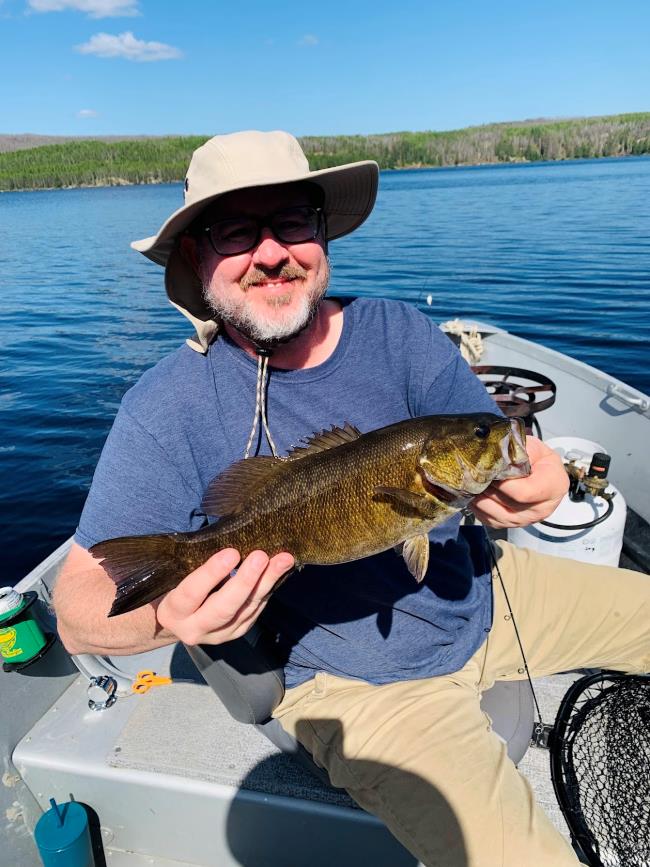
x,y
249,681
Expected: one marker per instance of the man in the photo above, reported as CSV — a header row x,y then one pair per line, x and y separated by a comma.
x,y
384,676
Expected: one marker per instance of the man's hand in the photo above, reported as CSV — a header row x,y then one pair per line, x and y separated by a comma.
x,y
197,615
519,502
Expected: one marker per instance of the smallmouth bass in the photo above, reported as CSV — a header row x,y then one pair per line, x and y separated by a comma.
x,y
341,496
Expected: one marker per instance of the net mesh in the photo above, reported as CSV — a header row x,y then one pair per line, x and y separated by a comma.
x,y
607,770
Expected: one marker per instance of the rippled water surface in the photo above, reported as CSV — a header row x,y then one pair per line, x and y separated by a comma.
x,y
555,252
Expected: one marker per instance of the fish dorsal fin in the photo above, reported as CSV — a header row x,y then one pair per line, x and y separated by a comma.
x,y
326,439
230,490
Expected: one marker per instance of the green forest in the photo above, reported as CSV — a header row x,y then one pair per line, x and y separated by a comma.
x,y
164,159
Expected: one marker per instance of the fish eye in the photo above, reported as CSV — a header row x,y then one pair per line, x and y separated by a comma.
x,y
482,431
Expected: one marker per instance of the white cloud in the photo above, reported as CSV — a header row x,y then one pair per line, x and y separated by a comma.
x,y
127,46
308,39
87,112
93,8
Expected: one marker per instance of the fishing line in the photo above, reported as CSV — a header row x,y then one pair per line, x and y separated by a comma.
x,y
538,730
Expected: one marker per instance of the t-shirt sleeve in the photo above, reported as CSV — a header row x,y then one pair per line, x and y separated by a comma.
x,y
136,489
457,389
445,382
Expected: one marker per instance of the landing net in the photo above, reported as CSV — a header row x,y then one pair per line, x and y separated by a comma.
x,y
600,764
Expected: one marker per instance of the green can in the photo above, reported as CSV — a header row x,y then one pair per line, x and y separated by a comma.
x,y
21,637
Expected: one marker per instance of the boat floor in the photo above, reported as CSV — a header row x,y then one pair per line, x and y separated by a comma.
x,y
175,780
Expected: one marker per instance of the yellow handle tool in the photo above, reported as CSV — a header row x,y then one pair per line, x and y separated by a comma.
x,y
144,680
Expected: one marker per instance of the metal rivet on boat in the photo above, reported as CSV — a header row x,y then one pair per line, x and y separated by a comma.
x,y
102,692
520,671
487,629
506,617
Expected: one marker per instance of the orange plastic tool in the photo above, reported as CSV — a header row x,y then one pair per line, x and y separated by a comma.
x,y
144,680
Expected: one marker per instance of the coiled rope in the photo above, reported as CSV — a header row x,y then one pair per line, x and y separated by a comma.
x,y
471,342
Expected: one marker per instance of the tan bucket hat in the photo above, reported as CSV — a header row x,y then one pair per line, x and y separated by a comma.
x,y
238,161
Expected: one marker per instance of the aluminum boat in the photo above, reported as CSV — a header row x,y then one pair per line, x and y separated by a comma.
x,y
170,778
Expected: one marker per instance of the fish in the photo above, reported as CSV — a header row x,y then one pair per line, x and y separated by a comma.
x,y
338,496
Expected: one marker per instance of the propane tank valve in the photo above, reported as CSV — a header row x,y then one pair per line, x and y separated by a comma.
x,y
589,522
593,482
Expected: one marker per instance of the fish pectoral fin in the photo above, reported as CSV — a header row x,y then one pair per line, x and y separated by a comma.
x,y
415,552
229,492
417,502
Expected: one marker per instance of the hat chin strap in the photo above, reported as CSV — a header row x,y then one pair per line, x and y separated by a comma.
x,y
260,401
206,333
182,283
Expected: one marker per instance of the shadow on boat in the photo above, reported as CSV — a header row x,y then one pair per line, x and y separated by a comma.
x,y
245,826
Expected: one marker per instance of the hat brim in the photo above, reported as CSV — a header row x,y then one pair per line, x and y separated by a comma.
x,y
350,192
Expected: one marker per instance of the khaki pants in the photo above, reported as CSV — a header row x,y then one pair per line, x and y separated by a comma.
x,y
421,755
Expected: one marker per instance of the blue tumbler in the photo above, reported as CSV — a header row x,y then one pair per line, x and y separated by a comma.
x,y
63,837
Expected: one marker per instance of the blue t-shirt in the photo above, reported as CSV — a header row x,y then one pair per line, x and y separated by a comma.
x,y
190,416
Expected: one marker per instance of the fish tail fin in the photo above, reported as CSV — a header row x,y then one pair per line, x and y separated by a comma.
x,y
143,567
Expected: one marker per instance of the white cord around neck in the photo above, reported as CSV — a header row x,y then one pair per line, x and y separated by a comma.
x,y
260,405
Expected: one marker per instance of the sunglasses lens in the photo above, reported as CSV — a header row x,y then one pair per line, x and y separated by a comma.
x,y
295,225
230,237
240,234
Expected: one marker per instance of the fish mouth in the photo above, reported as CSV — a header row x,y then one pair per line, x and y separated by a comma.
x,y
514,460
457,498
513,452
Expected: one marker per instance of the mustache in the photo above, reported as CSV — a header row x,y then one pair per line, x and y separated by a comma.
x,y
263,275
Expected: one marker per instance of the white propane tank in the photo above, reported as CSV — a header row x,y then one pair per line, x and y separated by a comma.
x,y
600,544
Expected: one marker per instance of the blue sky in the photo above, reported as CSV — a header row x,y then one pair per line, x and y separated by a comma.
x,y
85,67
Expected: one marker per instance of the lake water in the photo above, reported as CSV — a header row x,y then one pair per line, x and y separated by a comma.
x,y
555,252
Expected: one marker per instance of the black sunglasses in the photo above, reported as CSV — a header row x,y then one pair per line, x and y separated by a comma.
x,y
240,234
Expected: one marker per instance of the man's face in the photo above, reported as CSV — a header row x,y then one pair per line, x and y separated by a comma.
x,y
272,291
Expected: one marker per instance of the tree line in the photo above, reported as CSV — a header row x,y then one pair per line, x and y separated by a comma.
x,y
162,160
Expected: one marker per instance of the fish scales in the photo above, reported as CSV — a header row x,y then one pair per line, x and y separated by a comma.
x,y
322,508
341,497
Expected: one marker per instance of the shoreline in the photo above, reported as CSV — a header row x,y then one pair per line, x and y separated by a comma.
x,y
109,182
81,163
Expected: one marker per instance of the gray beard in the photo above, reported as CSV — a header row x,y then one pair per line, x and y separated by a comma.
x,y
259,330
